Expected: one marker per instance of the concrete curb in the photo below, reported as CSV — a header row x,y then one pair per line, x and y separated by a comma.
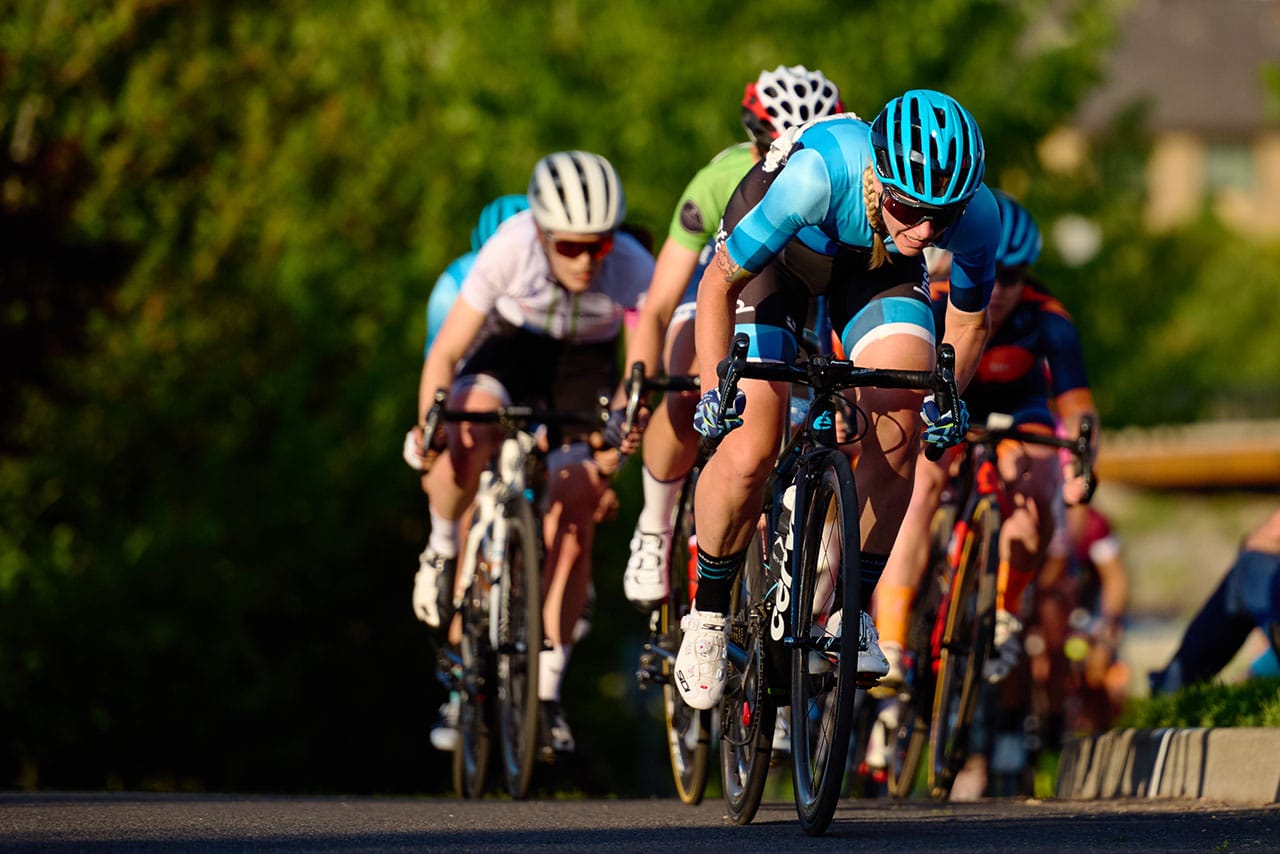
x,y
1233,764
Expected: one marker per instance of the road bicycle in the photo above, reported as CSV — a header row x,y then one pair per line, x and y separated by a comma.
x,y
499,600
786,639
953,620
688,730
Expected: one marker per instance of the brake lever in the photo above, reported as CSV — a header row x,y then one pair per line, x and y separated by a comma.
x,y
944,392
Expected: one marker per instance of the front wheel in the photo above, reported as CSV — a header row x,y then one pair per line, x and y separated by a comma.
x,y
824,658
748,714
688,729
473,753
915,700
965,642
519,640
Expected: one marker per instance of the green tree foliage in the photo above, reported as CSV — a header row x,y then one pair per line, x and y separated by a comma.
x,y
219,224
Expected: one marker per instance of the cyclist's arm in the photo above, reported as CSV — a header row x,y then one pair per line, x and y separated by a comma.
x,y
967,332
675,264
1114,595
718,291
460,328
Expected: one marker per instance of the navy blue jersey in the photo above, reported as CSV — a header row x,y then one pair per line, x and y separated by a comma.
x,y
1032,356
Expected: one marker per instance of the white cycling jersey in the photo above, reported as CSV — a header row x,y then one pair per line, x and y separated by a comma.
x,y
511,282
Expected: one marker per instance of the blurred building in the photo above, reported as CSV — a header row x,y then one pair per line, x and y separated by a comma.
x,y
1209,71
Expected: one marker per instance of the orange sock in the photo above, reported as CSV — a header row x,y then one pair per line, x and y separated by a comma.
x,y
893,611
1010,584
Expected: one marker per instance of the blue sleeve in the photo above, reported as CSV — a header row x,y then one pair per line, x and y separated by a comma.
x,y
443,295
1063,352
799,196
973,242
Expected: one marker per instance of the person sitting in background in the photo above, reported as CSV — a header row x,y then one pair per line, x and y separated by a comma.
x,y
1248,597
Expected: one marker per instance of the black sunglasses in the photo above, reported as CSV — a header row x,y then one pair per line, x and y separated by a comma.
x,y
597,248
1006,275
911,212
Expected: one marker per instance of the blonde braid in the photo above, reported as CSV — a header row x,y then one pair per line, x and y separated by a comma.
x,y
871,200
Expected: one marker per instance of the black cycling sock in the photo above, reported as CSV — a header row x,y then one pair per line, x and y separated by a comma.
x,y
872,569
715,580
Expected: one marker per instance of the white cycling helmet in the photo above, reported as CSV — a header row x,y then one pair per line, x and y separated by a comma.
x,y
576,192
786,97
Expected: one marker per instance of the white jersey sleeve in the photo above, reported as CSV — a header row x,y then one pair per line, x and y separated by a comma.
x,y
511,283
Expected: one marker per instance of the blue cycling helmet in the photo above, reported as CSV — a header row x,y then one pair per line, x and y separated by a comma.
x,y
1020,239
928,147
495,214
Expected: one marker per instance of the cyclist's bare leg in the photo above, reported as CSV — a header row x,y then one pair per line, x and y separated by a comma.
x,y
891,443
452,482
909,558
1030,474
731,489
670,443
573,492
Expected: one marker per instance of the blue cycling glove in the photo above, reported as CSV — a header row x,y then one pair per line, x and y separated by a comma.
x,y
613,428
704,415
944,429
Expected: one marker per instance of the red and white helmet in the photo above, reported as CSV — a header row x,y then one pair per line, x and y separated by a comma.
x,y
786,97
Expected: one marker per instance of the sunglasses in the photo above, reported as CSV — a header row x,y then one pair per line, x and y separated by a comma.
x,y
597,248
911,213
1008,276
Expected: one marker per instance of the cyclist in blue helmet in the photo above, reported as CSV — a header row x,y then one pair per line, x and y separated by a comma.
x,y
1032,370
845,208
446,287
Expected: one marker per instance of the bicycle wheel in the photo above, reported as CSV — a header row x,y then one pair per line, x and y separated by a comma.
x,y
965,641
915,701
688,729
519,640
747,714
823,663
472,755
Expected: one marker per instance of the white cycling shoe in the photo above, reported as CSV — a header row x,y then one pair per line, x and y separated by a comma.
x,y
644,582
872,664
702,664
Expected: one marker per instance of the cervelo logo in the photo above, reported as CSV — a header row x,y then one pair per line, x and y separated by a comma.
x,y
781,557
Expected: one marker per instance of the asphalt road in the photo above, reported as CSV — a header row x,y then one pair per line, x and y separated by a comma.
x,y
154,822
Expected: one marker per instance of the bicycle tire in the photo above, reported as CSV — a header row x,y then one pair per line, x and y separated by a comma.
x,y
688,730
473,753
825,579
865,777
747,714
915,700
519,642
965,642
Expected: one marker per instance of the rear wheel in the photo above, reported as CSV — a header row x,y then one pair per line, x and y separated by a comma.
x,y
688,729
823,662
747,715
519,638
965,642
